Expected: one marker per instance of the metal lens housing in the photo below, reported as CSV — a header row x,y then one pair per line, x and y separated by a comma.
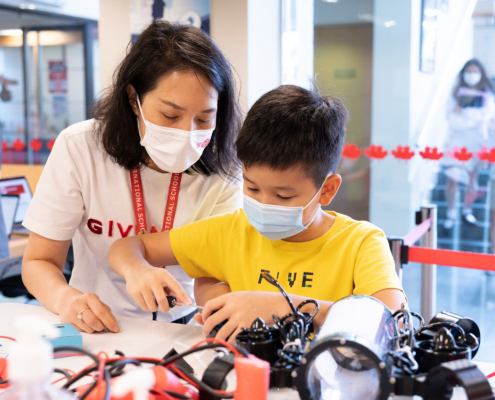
x,y
349,357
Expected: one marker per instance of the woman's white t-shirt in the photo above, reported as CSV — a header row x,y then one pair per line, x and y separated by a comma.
x,y
84,196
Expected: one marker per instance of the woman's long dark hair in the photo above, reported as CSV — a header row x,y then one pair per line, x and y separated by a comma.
x,y
165,47
484,85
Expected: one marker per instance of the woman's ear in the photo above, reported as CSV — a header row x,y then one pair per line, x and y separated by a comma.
x,y
330,189
131,93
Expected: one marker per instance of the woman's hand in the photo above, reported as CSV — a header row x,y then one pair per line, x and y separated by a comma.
x,y
241,309
95,315
149,287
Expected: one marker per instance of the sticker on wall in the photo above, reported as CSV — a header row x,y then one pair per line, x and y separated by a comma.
x,y
431,153
376,152
403,153
351,151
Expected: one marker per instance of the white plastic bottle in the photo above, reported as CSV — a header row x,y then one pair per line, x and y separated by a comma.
x,y
30,363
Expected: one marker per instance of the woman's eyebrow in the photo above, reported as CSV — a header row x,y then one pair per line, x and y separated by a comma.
x,y
177,107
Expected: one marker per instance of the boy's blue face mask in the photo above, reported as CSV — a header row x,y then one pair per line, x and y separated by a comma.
x,y
276,222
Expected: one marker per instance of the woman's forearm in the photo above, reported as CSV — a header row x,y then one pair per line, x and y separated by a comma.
x,y
47,284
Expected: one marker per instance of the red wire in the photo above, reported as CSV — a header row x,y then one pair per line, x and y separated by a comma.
x,y
222,342
8,337
490,375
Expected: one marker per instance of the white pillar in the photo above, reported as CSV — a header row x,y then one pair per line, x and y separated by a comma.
x,y
114,29
249,34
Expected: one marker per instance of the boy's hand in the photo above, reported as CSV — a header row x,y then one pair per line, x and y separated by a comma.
x,y
149,287
241,309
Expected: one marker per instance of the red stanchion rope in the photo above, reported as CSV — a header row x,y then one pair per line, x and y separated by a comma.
x,y
452,258
417,233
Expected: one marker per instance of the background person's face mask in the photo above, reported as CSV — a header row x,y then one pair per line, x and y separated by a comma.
x,y
472,78
276,222
173,150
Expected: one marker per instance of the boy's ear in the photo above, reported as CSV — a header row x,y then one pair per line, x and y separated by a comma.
x,y
330,189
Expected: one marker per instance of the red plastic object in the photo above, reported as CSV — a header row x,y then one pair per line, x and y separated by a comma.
x,y
431,154
50,144
253,378
351,151
403,153
376,152
5,146
463,154
486,155
18,145
36,144
166,380
3,373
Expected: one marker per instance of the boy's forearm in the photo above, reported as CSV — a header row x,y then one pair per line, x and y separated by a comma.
x,y
124,254
206,289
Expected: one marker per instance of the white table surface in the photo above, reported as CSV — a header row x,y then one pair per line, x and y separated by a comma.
x,y
143,338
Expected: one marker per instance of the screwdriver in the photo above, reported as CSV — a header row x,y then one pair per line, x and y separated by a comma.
x,y
172,302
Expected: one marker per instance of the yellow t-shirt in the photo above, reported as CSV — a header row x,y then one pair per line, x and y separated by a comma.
x,y
353,257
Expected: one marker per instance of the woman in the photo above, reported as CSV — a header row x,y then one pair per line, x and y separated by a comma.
x,y
469,111
172,108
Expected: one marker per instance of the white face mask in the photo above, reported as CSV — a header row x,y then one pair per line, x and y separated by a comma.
x,y
277,222
173,150
472,78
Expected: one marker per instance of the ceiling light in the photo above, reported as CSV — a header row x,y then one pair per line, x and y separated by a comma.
x,y
389,24
330,1
10,32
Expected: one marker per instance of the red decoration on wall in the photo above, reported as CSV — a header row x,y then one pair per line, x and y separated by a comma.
x,y
36,144
5,146
18,145
486,155
403,153
351,151
376,152
431,153
463,154
50,144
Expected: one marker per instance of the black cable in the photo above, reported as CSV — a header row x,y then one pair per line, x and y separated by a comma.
x,y
212,345
294,328
63,372
121,364
171,393
206,388
6,381
88,391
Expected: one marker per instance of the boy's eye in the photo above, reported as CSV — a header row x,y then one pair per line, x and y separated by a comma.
x,y
283,198
252,189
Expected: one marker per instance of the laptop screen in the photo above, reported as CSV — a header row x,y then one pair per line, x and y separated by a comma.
x,y
18,186
9,208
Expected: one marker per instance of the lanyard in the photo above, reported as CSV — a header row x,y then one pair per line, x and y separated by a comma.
x,y
139,209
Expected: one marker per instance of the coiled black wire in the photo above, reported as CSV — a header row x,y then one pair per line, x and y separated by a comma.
x,y
294,328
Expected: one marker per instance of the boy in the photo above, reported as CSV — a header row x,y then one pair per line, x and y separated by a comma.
x,y
290,146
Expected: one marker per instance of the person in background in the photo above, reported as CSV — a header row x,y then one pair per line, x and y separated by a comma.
x,y
159,154
469,112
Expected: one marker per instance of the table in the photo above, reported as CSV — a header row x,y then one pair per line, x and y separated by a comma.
x,y
144,338
17,244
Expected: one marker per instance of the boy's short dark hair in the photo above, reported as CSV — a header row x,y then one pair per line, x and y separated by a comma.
x,y
291,126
